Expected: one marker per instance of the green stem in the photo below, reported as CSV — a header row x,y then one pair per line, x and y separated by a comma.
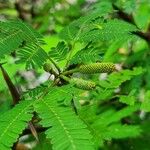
x,y
70,71
70,55
65,78
46,91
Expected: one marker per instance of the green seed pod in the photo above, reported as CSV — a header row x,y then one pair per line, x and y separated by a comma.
x,y
97,68
83,84
47,67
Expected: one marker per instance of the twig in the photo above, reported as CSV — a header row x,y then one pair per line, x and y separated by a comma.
x,y
70,55
129,18
70,71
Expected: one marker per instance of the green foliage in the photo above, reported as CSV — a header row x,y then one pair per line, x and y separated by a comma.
x,y
13,122
89,54
7,39
107,124
129,99
59,52
87,29
16,35
60,121
145,104
106,31
117,78
95,91
32,55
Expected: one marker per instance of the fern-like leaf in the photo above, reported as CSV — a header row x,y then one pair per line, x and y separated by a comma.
x,y
59,52
94,28
10,41
13,122
107,125
118,131
29,34
17,35
73,31
87,55
67,131
146,103
33,55
117,78
106,31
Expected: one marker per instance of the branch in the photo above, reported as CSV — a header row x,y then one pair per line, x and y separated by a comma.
x,y
130,19
124,16
143,35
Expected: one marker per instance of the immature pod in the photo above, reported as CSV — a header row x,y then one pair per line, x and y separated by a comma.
x,y
47,67
97,68
83,84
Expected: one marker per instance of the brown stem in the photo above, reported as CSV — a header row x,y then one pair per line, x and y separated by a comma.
x,y
129,18
14,92
38,129
32,11
124,16
19,10
143,35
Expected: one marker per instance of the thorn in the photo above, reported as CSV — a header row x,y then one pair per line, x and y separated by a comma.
x,y
33,130
14,92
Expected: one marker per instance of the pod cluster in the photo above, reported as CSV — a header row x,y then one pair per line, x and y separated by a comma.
x,y
83,84
85,69
97,68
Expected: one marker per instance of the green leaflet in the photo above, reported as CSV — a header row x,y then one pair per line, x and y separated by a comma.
x,y
129,99
29,33
102,7
59,52
107,31
66,130
107,124
87,55
94,28
32,55
13,122
115,79
73,31
9,42
146,102
16,35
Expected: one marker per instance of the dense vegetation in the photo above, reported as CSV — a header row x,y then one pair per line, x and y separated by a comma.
x,y
74,75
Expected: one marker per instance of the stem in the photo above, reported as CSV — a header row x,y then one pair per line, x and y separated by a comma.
x,y
70,55
47,89
54,73
70,71
65,78
55,64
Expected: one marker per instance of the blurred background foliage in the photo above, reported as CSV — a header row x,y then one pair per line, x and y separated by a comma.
x,y
49,17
